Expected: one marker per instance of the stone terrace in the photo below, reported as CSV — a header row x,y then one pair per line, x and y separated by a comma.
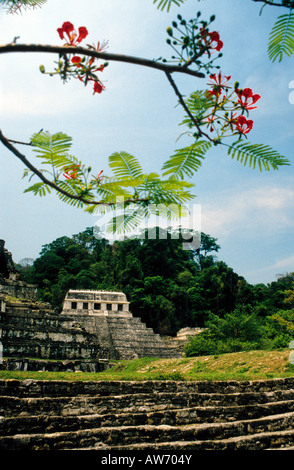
x,y
147,415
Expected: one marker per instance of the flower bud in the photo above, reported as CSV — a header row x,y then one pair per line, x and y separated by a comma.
x,y
42,69
236,85
169,31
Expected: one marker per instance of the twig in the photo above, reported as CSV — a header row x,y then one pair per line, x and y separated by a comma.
x,y
19,142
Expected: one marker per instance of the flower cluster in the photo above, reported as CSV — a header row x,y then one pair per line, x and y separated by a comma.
x,y
83,68
228,106
76,174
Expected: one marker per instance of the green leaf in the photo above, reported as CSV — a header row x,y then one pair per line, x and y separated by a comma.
x,y
40,189
281,40
125,165
53,149
257,154
127,221
111,189
186,161
167,3
50,146
198,103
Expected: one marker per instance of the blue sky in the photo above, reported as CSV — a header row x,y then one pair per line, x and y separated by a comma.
x,y
250,213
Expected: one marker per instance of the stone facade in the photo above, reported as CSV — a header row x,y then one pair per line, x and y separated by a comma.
x,y
95,303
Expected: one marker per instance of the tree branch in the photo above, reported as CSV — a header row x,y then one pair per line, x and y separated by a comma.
x,y
13,47
15,151
183,104
268,2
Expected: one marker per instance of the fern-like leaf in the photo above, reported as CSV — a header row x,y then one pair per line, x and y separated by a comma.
x,y
257,154
168,3
281,40
48,145
125,165
198,104
39,189
186,161
127,221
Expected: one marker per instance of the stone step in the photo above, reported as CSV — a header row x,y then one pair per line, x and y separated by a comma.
x,y
65,406
44,423
62,388
278,440
234,435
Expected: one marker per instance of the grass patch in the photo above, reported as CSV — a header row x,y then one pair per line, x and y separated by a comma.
x,y
247,365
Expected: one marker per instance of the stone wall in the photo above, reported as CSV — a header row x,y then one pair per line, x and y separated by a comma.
x,y
32,330
18,289
10,283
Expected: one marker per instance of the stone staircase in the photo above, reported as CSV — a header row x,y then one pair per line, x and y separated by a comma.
x,y
147,415
132,338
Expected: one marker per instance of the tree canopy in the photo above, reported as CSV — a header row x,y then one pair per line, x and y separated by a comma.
x,y
166,285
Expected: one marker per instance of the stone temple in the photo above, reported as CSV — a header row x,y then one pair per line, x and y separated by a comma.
x,y
107,316
93,326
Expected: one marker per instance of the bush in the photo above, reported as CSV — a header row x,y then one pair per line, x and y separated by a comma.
x,y
239,330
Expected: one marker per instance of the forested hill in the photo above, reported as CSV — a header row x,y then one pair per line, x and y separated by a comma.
x,y
168,287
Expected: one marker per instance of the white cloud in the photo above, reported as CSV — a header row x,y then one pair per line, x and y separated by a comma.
x,y
285,263
259,208
280,267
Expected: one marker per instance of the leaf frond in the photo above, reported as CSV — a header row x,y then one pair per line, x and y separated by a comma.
x,y
259,155
186,161
281,40
168,3
124,165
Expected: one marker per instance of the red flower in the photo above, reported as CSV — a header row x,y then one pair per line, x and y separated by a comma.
x,y
83,33
218,84
67,28
76,60
211,40
210,121
71,172
214,38
247,98
98,87
72,37
243,125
